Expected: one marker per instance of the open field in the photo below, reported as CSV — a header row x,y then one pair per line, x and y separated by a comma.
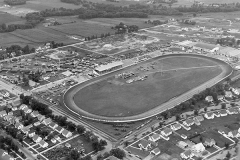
x,y
8,18
140,96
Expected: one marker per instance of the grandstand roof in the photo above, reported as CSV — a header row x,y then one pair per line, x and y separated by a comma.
x,y
109,66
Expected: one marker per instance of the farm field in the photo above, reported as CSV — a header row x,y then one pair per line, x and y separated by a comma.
x,y
8,18
83,29
138,97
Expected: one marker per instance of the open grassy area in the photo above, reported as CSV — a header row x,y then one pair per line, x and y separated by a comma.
x,y
8,18
115,97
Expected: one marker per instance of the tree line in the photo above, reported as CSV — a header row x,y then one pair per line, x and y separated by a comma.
x,y
15,51
15,2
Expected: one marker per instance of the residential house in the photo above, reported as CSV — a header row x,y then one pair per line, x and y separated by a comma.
x,y
18,125
223,113
31,133
8,118
199,118
43,144
26,110
5,156
10,113
36,138
155,137
228,94
156,151
53,125
166,132
224,131
235,91
23,106
29,111
144,145
3,113
234,134
176,126
14,108
25,130
209,115
209,142
188,122
231,111
197,122
220,97
37,123
59,129
187,154
198,148
66,133
184,136
217,114
40,117
209,99
57,138
47,121
34,114
182,144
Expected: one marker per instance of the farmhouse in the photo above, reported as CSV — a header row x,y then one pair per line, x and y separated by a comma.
x,y
109,67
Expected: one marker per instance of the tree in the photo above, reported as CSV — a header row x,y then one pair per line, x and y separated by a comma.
x,y
194,14
117,152
205,109
195,112
74,154
80,129
223,105
226,145
228,155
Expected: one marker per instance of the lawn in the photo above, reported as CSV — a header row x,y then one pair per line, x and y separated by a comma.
x,y
114,97
220,139
138,152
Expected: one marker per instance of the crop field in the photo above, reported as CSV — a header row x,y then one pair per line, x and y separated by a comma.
x,y
8,18
83,29
118,97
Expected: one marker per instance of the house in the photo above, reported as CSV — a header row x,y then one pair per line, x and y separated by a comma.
x,y
209,115
53,125
182,144
198,148
188,122
234,134
156,151
8,118
43,144
40,117
228,94
155,137
57,138
3,113
209,142
224,131
199,118
36,123
183,136
59,129
10,113
166,132
209,99
28,111
36,138
197,122
34,114
235,91
231,111
25,130
187,154
144,144
223,113
220,97
18,125
217,114
25,109
31,133
5,156
66,133
176,126
47,121
23,106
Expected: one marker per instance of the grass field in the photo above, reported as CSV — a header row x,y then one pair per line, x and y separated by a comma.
x,y
8,18
113,97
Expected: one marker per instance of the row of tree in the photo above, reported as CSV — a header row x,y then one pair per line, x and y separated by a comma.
x,y
15,2
116,152
15,51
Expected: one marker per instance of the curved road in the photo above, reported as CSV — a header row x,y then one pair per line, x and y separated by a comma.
x,y
69,94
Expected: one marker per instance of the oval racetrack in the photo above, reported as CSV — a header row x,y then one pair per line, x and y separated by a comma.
x,y
70,104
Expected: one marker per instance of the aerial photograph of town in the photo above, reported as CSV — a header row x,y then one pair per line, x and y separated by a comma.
x,y
119,79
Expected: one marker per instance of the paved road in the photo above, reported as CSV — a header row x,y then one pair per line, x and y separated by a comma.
x,y
70,105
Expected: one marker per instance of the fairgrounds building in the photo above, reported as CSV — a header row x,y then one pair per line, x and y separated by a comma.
x,y
109,67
